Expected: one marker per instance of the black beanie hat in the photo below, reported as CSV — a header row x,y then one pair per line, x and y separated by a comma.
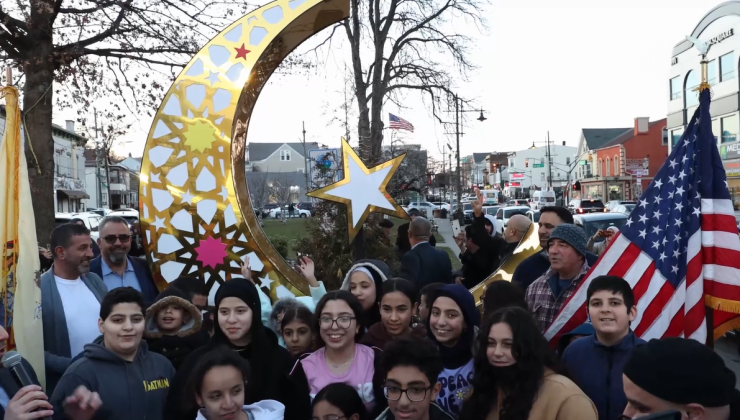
x,y
681,371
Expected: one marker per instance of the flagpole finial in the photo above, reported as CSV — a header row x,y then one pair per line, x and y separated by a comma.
x,y
704,85
8,76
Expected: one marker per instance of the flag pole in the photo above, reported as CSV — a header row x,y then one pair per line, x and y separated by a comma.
x,y
8,76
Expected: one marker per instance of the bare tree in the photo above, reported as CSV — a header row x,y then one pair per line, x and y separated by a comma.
x,y
409,41
73,52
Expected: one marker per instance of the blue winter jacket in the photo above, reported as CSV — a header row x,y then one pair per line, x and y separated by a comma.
x,y
597,370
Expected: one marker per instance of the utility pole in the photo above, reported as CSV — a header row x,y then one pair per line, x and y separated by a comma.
x,y
305,156
459,179
549,161
105,157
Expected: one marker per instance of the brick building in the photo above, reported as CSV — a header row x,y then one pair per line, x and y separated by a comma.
x,y
625,165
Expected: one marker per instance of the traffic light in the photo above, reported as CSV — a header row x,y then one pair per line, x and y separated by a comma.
x,y
526,163
495,167
577,186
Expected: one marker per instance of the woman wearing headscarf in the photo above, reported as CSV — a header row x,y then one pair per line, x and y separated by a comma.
x,y
239,327
599,247
453,321
365,281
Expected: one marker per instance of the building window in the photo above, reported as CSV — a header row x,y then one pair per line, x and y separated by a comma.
x,y
542,176
616,165
727,67
676,88
567,161
608,167
285,155
712,72
692,81
716,129
599,169
729,129
676,135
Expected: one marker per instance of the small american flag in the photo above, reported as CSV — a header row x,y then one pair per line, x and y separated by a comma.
x,y
679,249
398,123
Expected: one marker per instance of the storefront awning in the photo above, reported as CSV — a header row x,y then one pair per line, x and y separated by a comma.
x,y
74,194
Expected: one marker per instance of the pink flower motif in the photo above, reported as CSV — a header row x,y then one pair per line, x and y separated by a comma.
x,y
211,252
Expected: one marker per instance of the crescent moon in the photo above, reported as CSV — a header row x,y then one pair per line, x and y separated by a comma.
x,y
194,203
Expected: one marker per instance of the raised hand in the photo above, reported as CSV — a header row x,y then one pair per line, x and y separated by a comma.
x,y
25,401
478,203
82,404
246,270
306,268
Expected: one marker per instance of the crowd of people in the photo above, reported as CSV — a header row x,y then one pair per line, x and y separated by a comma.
x,y
411,345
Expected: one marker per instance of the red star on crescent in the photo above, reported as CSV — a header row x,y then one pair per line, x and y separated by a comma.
x,y
241,52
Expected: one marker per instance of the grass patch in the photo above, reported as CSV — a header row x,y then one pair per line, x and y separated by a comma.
x,y
456,263
438,237
279,232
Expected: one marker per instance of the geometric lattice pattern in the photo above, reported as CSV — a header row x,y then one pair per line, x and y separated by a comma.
x,y
190,213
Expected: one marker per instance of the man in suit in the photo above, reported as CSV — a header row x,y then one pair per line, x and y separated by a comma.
x,y
402,238
424,264
115,266
69,292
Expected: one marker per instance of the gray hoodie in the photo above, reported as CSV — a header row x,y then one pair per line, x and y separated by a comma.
x,y
129,390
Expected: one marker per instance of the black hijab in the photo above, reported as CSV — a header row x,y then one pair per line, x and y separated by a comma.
x,y
462,352
262,351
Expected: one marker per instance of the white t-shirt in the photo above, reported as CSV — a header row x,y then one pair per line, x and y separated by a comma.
x,y
81,310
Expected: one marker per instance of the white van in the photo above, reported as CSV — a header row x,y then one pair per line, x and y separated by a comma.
x,y
541,199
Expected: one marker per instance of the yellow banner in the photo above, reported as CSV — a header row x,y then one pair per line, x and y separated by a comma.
x,y
20,294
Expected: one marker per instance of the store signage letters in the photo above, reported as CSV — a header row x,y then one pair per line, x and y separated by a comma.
x,y
730,151
721,37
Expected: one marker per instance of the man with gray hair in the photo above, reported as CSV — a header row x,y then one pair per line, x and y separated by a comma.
x,y
115,266
424,264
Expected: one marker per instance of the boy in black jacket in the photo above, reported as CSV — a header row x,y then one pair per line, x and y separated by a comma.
x,y
173,326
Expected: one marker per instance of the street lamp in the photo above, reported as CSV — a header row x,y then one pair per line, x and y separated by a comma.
x,y
482,118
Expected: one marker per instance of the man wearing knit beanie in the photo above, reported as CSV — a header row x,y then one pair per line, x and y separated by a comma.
x,y
679,374
568,264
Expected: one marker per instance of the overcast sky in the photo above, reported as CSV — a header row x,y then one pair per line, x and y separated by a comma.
x,y
542,65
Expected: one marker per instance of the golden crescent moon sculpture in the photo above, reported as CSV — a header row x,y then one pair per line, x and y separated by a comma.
x,y
196,215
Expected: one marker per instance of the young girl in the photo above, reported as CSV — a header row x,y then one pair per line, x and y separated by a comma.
x,y
239,327
452,324
397,306
219,383
338,401
339,357
297,330
365,281
516,375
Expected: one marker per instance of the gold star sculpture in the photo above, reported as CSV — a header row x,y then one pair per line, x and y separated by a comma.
x,y
362,190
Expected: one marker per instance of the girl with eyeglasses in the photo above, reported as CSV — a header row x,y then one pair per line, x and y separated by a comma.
x,y
338,401
398,304
220,383
339,359
517,375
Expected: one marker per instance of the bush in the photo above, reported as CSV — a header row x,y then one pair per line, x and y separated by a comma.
x,y
281,245
329,249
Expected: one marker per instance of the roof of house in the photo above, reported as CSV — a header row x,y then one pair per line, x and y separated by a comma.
x,y
596,138
622,138
60,131
480,157
261,151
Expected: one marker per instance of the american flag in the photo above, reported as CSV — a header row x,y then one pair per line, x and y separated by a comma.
x,y
679,249
398,123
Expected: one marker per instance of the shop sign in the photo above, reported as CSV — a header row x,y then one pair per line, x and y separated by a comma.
x,y
583,162
517,176
721,37
515,184
635,167
732,168
730,151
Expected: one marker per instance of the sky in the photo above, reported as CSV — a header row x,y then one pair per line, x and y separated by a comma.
x,y
541,66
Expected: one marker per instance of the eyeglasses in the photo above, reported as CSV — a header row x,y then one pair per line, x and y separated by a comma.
x,y
414,394
343,322
111,239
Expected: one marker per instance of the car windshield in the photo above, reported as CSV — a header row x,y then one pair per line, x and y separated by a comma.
x,y
629,207
593,226
468,207
592,204
536,217
58,222
550,199
509,213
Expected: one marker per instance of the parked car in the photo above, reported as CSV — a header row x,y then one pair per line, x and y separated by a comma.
x,y
306,205
92,220
277,212
441,205
269,207
131,215
591,223
517,203
468,213
505,213
581,206
534,216
491,210
542,199
100,211
624,208
611,205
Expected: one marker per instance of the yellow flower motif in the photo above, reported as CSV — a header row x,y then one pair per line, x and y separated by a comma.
x,y
200,135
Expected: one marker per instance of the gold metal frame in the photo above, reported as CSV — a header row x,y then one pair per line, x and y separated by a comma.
x,y
193,186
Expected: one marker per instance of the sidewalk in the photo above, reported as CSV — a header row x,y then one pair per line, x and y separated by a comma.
x,y
445,230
